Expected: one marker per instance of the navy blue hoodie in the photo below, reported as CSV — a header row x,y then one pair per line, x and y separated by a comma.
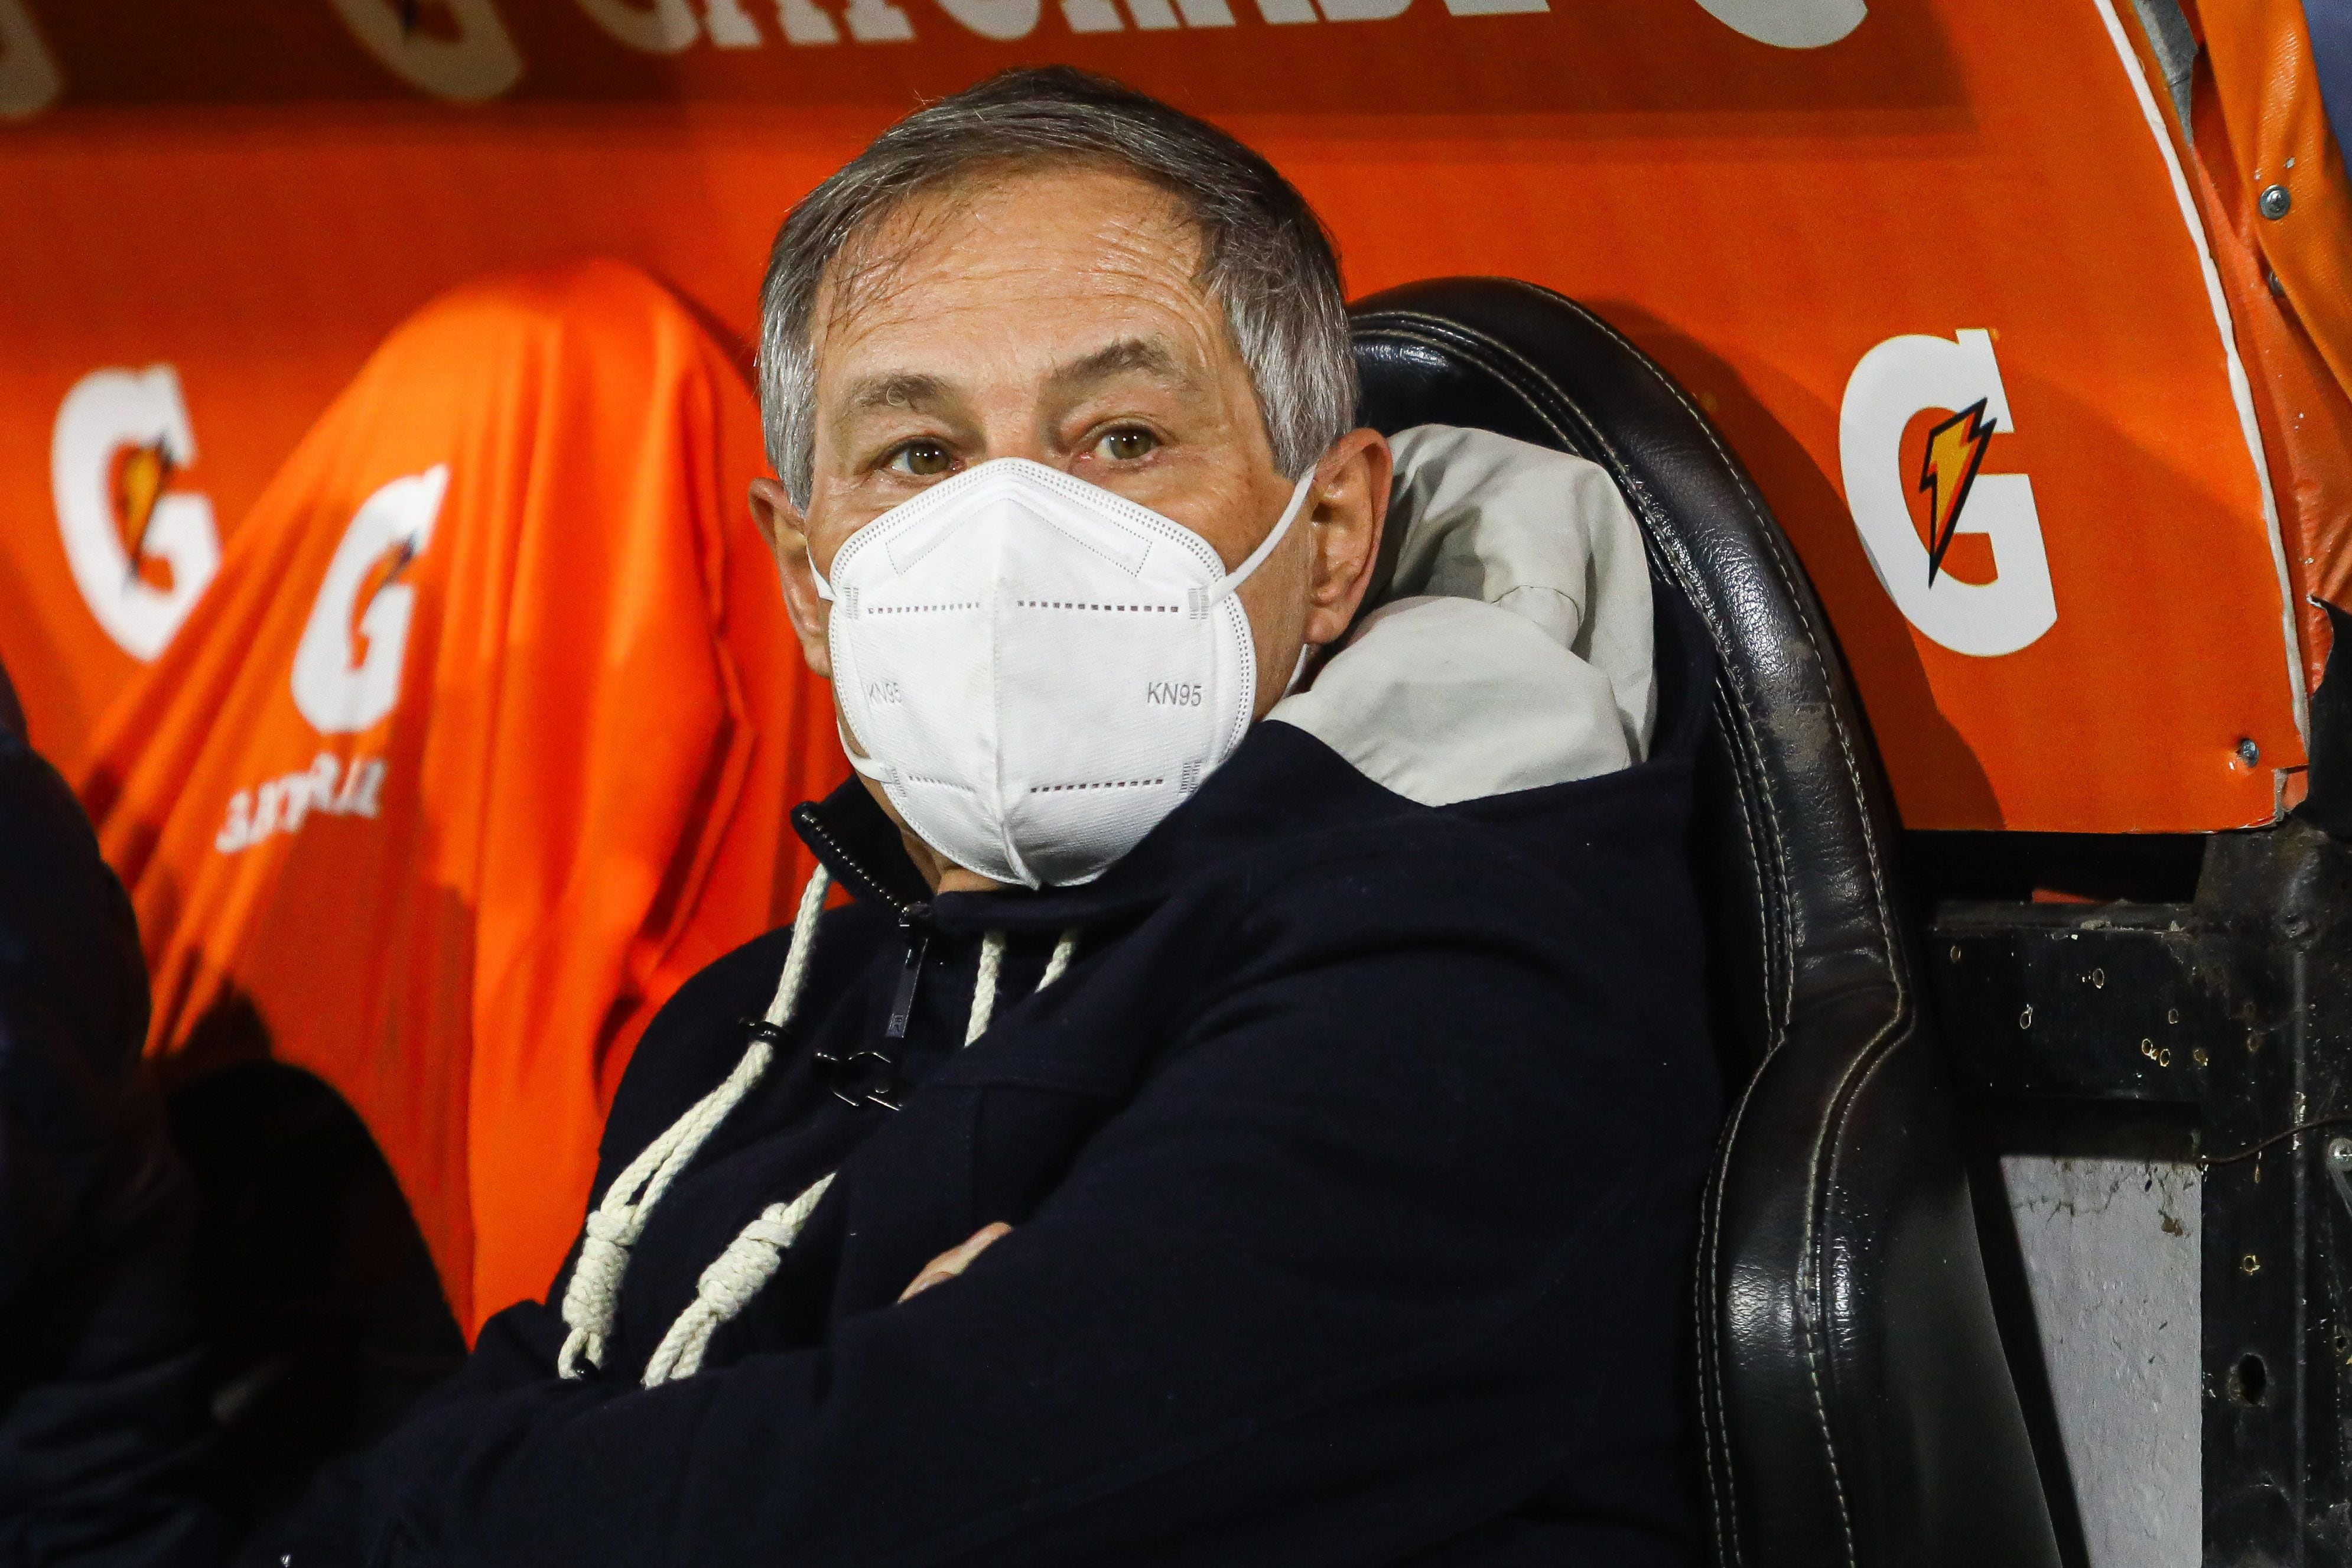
x,y
1353,1168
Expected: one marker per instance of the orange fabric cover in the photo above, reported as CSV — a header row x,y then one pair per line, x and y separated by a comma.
x,y
451,867
2259,54
2259,123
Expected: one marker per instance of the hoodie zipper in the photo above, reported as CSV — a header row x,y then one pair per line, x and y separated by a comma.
x,y
870,1077
805,816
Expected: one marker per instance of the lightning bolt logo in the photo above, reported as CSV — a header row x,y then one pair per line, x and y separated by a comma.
x,y
389,568
1956,450
138,486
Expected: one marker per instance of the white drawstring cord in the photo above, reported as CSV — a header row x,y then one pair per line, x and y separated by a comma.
x,y
753,1258
592,1297
992,960
983,989
750,1261
1064,950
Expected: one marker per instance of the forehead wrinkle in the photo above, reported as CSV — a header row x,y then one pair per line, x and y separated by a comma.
x,y
868,270
873,269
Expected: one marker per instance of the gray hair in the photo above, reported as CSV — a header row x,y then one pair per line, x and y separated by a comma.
x,y
1265,257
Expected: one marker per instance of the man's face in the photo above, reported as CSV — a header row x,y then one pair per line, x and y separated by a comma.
x,y
1054,315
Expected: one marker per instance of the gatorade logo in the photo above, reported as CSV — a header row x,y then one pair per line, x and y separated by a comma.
x,y
347,666
1958,378
140,549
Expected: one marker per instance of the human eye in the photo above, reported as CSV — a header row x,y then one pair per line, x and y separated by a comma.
x,y
1126,444
922,458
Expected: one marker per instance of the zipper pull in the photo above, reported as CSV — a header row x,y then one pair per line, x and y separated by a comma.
x,y
910,973
871,1077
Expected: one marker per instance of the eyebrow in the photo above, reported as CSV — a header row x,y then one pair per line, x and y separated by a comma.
x,y
896,389
931,394
1150,356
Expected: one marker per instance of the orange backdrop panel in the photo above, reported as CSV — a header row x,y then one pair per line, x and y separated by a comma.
x,y
255,201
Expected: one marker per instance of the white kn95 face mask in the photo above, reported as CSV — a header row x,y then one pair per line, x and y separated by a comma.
x,y
1039,670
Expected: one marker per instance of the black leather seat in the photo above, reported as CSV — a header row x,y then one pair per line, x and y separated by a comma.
x,y
1856,1402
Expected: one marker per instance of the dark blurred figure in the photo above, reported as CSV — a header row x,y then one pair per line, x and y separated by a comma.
x,y
104,1433
320,1311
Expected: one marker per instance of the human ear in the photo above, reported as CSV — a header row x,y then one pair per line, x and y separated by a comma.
x,y
1348,507
786,532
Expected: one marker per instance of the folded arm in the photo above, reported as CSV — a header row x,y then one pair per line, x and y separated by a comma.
x,y
1337,1276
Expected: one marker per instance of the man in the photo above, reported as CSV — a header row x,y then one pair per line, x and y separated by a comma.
x,y
1199,1137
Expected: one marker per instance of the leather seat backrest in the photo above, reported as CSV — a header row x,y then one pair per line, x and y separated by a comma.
x,y
1855,1404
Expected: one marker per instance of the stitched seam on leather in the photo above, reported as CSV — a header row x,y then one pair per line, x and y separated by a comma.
x,y
1897,1029
1746,768
1723,1494
1821,1415
1714,1216
1775,1026
1723,1501
1865,1062
1722,1485
1813,1291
